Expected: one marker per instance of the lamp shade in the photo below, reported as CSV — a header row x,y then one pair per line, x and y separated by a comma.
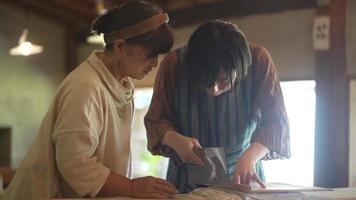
x,y
25,48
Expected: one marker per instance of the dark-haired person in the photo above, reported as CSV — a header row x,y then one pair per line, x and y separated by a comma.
x,y
84,144
218,91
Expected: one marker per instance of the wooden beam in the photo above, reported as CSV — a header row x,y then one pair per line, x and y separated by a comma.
x,y
82,9
332,105
51,10
219,9
113,3
233,8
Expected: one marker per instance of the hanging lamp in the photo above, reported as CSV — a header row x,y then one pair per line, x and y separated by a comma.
x,y
25,48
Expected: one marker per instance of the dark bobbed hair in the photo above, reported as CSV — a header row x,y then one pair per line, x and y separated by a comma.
x,y
158,41
217,45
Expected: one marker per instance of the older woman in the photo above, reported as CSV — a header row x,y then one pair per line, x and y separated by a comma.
x,y
84,144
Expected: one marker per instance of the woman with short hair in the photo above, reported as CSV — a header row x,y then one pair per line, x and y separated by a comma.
x,y
218,91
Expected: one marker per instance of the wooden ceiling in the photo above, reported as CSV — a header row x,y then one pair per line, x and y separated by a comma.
x,y
182,12
62,11
78,15
84,11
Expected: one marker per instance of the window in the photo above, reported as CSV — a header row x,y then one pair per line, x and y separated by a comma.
x,y
352,156
143,162
299,98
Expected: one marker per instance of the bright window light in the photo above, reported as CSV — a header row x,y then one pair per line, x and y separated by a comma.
x,y
299,98
143,162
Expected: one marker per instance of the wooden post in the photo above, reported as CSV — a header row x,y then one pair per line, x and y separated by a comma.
x,y
332,104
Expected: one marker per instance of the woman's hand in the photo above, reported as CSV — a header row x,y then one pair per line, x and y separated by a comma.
x,y
145,187
245,171
185,147
151,187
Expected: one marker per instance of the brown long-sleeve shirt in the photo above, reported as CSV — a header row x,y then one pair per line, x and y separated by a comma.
x,y
259,100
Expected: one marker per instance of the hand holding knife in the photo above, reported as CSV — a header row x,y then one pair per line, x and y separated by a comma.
x,y
199,152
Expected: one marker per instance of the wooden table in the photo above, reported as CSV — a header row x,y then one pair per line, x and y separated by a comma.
x,y
335,194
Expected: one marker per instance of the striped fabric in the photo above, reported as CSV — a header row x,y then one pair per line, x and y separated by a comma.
x,y
222,121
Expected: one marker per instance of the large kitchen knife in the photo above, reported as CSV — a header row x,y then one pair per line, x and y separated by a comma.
x,y
214,172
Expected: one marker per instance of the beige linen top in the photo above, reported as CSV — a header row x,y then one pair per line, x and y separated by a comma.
x,y
85,135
